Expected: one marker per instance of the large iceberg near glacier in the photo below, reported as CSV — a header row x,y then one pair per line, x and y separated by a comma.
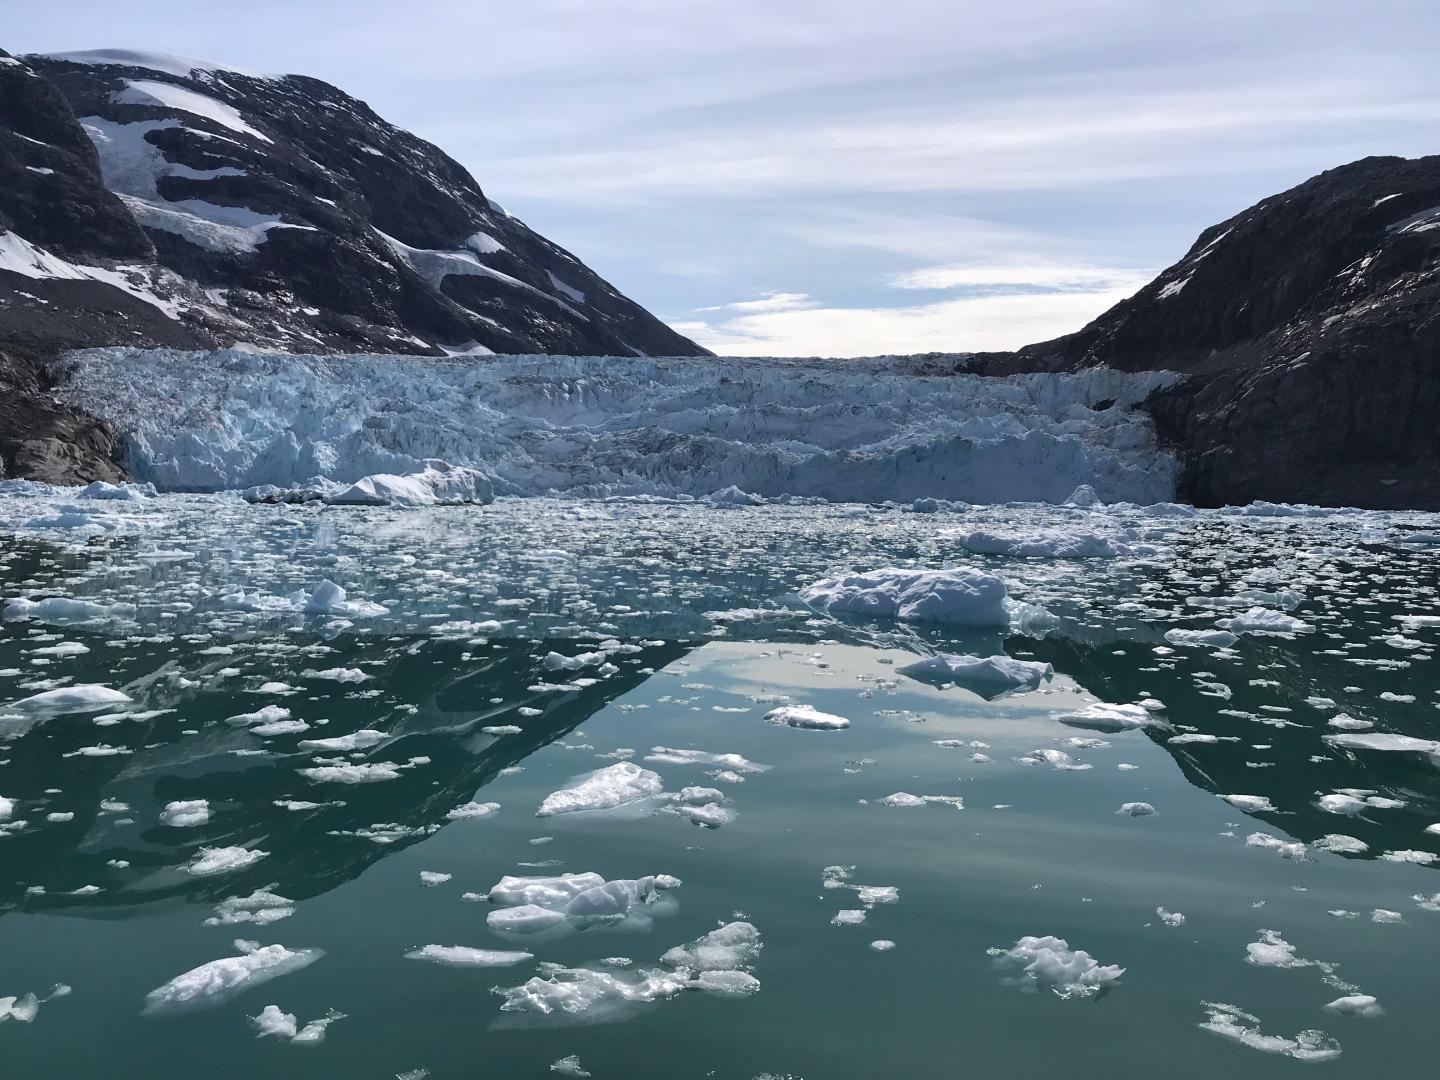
x,y
855,430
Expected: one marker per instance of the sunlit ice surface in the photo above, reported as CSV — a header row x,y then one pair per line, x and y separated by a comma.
x,y
257,756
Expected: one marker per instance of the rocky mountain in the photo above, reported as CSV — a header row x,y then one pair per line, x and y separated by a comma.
x,y
178,203
1308,331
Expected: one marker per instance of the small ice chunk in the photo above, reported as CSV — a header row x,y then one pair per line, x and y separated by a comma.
x,y
219,980
1049,963
465,956
186,813
806,717
222,860
614,786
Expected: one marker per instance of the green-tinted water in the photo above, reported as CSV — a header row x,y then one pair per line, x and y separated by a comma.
x,y
1035,851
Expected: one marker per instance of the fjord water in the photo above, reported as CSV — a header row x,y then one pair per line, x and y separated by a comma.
x,y
697,611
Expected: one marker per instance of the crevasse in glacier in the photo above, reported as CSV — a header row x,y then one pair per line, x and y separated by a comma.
x,y
854,430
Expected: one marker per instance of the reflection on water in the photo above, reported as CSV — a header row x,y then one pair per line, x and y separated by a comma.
x,y
585,634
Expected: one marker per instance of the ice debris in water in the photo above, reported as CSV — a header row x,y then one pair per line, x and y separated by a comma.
x,y
1136,809
66,611
957,597
472,809
282,1025
1102,716
1049,963
1363,1005
1259,620
569,1066
222,860
23,1008
718,963
991,676
1044,544
905,799
1054,759
806,717
1251,804
186,813
87,697
1286,849
327,598
261,907
216,982
465,956
669,755
530,905
614,786
1217,639
1170,918
1235,1024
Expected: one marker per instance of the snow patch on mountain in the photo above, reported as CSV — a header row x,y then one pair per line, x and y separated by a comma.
x,y
596,426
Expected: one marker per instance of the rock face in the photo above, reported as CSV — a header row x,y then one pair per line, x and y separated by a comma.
x,y
1308,329
151,200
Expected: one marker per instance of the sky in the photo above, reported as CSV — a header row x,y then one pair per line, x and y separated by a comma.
x,y
837,178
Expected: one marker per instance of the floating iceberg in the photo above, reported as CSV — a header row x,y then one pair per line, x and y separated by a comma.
x,y
958,597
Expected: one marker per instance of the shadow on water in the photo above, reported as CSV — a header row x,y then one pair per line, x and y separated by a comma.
x,y
431,698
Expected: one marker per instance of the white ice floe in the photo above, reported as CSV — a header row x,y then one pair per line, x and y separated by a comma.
x,y
1215,639
356,740
1170,918
1272,950
1235,1024
185,813
1136,809
471,810
530,905
1286,849
87,697
327,598
1341,844
1362,1005
272,1022
216,982
904,799
717,963
669,755
438,483
1102,716
1044,544
1251,804
368,772
570,1066
465,956
990,677
66,611
1385,742
1259,620
806,717
261,907
615,786
1049,963
223,860
1054,759
956,597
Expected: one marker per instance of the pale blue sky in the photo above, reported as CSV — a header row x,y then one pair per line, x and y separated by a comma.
x,y
842,178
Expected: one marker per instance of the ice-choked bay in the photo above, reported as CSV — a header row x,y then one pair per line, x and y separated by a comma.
x,y
664,788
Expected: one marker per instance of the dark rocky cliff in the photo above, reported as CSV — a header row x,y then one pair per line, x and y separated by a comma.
x,y
1308,331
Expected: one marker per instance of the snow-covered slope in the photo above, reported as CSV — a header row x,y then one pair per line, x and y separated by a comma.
x,y
839,430
217,206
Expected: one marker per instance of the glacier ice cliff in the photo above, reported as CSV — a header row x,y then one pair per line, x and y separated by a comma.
x,y
854,430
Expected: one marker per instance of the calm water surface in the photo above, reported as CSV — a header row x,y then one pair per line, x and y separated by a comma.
x,y
100,901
